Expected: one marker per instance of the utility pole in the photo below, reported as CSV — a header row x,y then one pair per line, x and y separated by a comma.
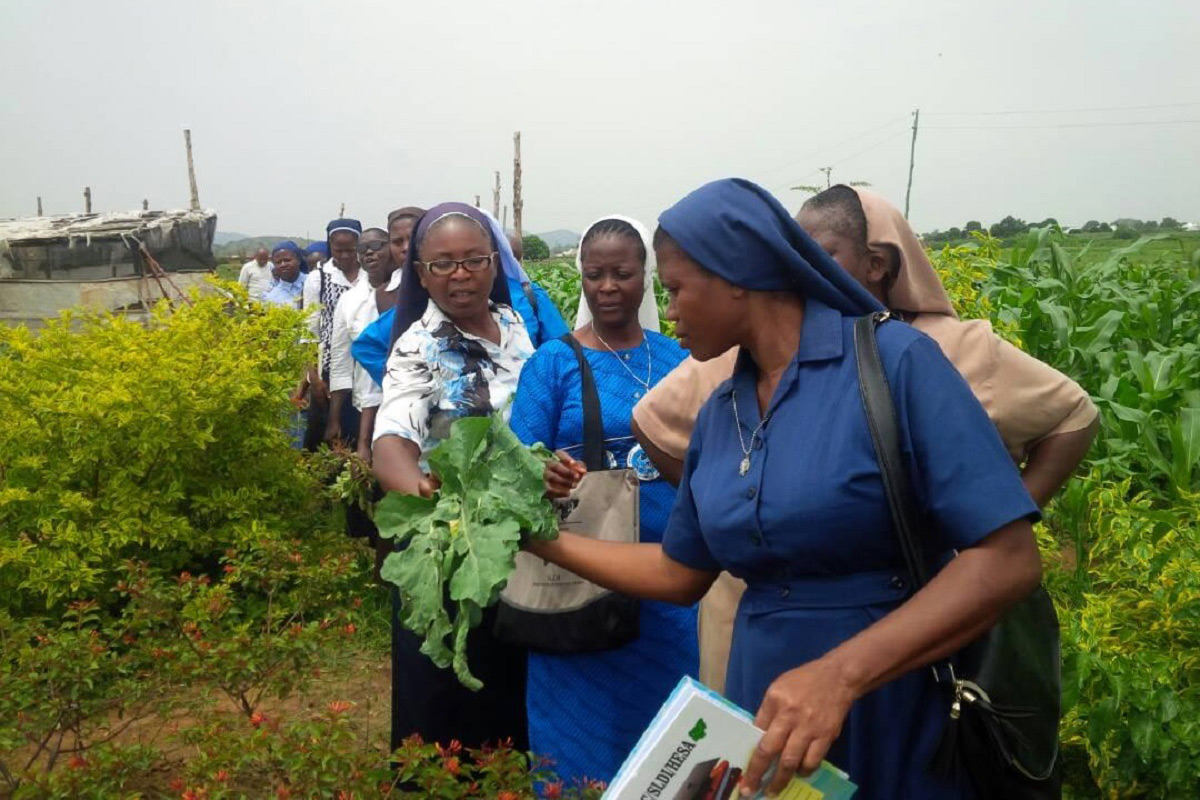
x,y
912,154
496,197
39,206
342,212
827,170
87,199
145,205
504,224
477,201
518,203
187,139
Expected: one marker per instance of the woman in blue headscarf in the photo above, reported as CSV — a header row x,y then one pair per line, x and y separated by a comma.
x,y
459,352
781,487
287,287
314,255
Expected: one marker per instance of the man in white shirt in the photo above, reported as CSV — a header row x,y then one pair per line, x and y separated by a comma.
x,y
257,274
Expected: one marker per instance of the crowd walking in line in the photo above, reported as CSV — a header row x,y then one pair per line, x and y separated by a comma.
x,y
765,560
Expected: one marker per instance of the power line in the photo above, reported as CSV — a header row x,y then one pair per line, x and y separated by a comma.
x,y
841,143
890,138
1058,110
1061,125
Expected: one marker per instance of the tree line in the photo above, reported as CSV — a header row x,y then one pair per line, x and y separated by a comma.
x,y
1013,226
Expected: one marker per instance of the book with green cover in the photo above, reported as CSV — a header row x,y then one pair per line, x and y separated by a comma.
x,y
697,748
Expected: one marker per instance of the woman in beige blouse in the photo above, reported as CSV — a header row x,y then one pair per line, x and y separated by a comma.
x,y
1047,421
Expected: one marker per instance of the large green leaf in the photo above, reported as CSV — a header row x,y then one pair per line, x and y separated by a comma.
x,y
462,544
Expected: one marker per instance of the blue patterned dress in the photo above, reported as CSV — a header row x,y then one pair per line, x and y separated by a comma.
x,y
587,711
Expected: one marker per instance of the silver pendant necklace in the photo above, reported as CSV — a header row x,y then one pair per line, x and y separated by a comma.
x,y
744,466
649,360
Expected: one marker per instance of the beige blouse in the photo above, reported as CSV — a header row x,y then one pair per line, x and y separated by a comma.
x,y
1027,400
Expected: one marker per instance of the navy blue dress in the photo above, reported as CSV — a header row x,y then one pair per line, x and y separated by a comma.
x,y
586,711
808,526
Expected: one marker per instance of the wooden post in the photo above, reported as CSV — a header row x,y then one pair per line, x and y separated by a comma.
x,y
496,197
145,205
518,203
912,154
195,201
87,199
39,206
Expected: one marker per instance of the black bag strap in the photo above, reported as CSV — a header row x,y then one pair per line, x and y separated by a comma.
x,y
885,435
593,423
527,288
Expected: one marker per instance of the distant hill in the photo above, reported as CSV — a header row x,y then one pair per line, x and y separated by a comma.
x,y
560,239
247,246
221,237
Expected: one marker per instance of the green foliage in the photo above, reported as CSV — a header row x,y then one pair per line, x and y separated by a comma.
x,y
1009,226
1122,544
165,441
1129,613
560,279
1129,332
462,543
535,248
156,531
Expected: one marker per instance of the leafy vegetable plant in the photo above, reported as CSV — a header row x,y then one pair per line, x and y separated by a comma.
x,y
459,547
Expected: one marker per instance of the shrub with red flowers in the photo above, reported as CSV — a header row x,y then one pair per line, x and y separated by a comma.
x,y
177,597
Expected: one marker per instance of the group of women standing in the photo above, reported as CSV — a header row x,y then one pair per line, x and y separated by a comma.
x,y
762,430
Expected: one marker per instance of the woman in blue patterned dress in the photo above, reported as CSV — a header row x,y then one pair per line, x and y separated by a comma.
x,y
587,710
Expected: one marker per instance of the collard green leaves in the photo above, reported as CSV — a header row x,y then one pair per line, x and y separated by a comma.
x,y
458,548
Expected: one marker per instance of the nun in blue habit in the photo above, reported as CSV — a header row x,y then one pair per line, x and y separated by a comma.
x,y
781,487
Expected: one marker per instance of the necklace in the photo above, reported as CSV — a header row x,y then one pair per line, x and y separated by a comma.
x,y
649,361
744,467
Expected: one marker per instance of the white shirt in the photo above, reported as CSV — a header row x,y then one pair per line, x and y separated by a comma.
x,y
256,279
355,311
436,374
336,280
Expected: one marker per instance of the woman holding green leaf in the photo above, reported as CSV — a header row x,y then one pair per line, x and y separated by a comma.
x,y
459,353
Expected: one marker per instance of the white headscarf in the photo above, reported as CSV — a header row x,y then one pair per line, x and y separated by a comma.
x,y
648,312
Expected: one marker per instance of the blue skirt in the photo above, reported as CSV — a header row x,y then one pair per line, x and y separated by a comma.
x,y
587,710
890,734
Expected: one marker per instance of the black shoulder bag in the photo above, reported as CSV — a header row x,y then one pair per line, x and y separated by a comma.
x,y
1004,688
548,609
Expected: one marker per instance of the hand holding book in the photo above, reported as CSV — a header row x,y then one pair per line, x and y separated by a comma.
x,y
802,714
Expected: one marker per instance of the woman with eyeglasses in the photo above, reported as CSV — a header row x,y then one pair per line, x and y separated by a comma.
x,y
459,354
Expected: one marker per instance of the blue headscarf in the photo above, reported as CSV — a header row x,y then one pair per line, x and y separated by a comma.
x,y
294,249
343,224
738,230
413,296
509,265
318,247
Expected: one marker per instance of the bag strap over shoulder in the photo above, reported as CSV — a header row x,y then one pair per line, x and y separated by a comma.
x,y
593,423
530,296
885,435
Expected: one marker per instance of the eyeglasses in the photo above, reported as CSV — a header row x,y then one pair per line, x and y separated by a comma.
x,y
371,247
448,266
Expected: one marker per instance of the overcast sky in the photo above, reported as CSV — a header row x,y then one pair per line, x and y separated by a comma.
x,y
624,106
